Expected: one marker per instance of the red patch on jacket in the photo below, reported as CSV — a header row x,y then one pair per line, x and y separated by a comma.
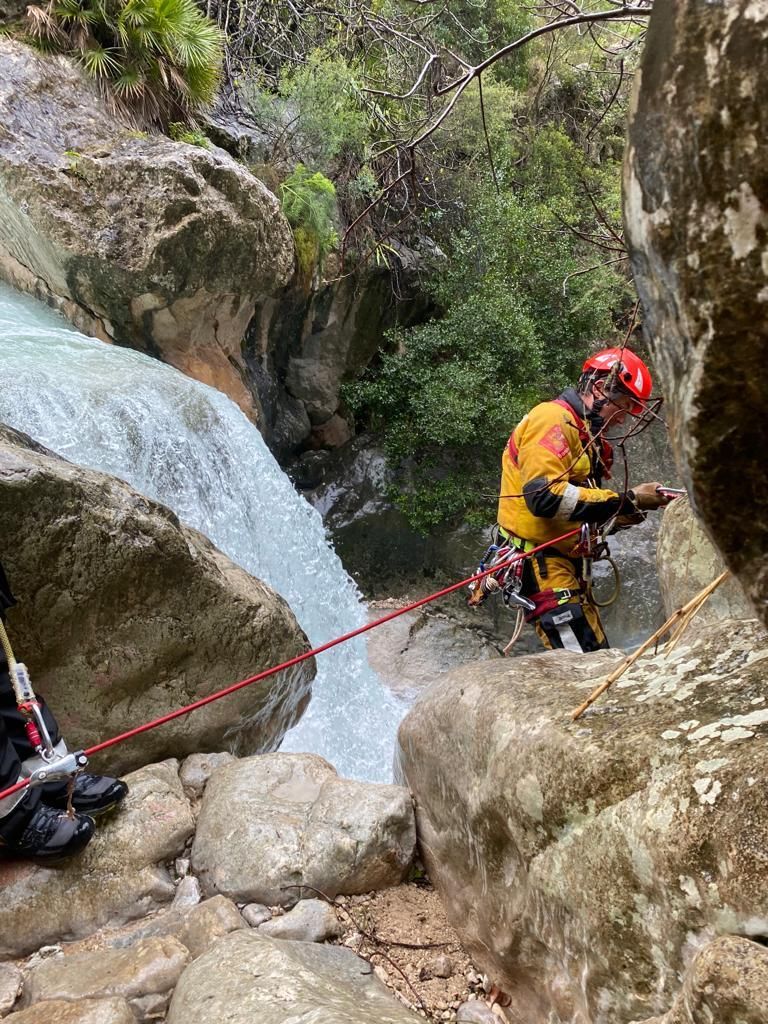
x,y
554,441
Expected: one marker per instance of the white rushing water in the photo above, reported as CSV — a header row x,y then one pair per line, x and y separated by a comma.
x,y
191,448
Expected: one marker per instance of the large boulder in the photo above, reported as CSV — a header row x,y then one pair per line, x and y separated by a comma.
x,y
149,968
86,1011
271,824
246,977
160,245
696,216
727,984
688,561
125,614
583,863
120,876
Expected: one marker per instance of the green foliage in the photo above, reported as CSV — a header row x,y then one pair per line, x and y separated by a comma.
x,y
447,397
179,132
309,203
316,111
155,59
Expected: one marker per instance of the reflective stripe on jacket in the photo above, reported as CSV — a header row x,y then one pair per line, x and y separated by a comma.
x,y
548,461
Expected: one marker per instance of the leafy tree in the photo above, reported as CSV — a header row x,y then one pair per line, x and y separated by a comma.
x,y
508,335
156,60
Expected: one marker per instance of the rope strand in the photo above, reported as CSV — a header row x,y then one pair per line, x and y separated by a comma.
x,y
154,723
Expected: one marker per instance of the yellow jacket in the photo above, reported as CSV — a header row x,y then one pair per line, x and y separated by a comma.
x,y
550,470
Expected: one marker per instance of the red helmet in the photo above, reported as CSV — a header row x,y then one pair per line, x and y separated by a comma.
x,y
633,375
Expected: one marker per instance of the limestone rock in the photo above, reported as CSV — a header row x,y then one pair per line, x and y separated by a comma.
x,y
280,820
333,433
196,770
302,344
255,914
688,561
727,984
181,241
696,217
151,967
125,614
117,878
247,978
197,927
579,861
309,921
474,1011
85,1011
10,986
187,893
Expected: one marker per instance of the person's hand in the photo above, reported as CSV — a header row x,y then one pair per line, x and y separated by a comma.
x,y
647,497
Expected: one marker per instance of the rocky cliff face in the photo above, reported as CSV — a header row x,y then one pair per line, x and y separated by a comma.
x,y
124,615
302,344
181,252
151,243
696,214
585,863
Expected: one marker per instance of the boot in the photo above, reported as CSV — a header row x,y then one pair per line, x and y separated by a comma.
x,y
92,794
43,833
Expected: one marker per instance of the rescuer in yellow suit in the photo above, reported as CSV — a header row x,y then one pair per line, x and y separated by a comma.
x,y
552,472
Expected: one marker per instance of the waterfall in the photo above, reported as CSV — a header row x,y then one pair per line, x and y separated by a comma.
x,y
188,446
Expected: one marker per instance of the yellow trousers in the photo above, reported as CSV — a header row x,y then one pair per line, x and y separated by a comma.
x,y
574,624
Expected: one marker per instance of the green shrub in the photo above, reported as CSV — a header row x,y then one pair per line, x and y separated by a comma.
x,y
180,132
450,391
154,59
309,203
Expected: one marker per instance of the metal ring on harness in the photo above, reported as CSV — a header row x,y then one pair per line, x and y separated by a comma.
x,y
616,590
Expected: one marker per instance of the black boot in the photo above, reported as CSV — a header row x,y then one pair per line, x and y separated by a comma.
x,y
44,833
93,794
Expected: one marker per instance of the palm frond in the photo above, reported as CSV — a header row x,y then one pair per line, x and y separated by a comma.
x,y
41,24
100,61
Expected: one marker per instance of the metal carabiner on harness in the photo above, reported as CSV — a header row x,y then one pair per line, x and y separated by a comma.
x,y
31,709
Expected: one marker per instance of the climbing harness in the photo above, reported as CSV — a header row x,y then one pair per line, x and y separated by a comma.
x,y
507,579
593,547
53,767
154,723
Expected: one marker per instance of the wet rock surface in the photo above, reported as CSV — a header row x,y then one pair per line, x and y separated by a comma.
x,y
696,218
196,928
106,576
123,943
181,243
579,861
269,825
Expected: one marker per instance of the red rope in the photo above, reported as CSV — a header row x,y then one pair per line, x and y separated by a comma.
x,y
299,658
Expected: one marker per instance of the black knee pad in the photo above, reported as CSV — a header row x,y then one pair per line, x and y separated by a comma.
x,y
567,627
